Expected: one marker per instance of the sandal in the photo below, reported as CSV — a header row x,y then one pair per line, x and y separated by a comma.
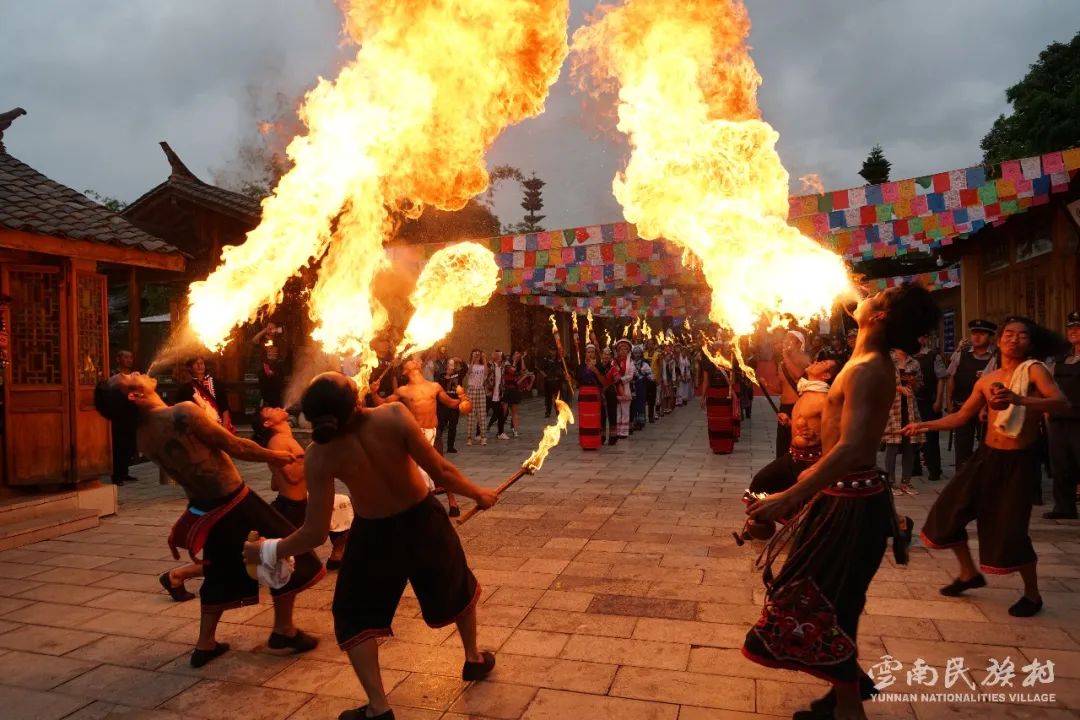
x,y
178,593
958,586
201,657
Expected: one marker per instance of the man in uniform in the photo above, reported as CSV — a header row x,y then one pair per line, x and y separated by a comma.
x,y
967,366
1064,427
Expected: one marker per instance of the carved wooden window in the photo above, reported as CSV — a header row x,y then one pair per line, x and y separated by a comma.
x,y
90,319
35,327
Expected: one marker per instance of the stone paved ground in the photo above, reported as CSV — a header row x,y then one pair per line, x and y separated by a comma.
x,y
612,589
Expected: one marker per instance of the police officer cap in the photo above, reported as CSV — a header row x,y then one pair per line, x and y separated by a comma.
x,y
983,326
1073,319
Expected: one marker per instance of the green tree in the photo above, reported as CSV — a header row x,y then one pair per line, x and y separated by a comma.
x,y
114,204
1045,108
533,203
875,168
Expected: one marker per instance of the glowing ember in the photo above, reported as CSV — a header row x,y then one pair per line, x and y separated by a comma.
x,y
703,170
457,276
405,124
552,434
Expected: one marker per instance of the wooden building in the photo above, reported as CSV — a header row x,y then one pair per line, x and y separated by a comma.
x,y
56,248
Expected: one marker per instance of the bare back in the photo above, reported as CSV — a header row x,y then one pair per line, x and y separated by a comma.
x,y
170,437
374,460
857,406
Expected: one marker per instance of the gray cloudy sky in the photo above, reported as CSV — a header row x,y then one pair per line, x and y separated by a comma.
x,y
104,81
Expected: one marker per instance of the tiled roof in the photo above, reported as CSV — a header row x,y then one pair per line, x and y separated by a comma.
x,y
33,203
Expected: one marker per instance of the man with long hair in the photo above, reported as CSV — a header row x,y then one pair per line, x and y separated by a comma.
x,y
842,514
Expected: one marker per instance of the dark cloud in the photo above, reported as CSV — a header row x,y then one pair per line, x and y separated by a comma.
x,y
105,81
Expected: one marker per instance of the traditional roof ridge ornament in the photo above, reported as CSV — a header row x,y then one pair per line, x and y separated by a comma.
x,y
5,122
179,169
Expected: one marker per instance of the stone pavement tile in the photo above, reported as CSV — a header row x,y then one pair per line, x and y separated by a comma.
x,y
1066,662
540,565
885,625
779,697
495,562
603,586
322,707
325,678
640,653
580,623
53,614
938,654
565,600
690,576
506,578
494,700
488,637
559,705
608,546
18,571
569,543
83,562
982,711
509,616
102,710
649,548
691,632
133,565
11,587
688,712
315,599
536,643
137,582
1014,635
522,597
714,564
234,666
48,640
6,626
315,621
12,604
39,672
701,593
729,661
685,688
887,589
610,558
131,652
926,609
416,631
247,638
643,607
582,677
23,703
728,613
119,622
396,654
579,568
192,609
430,692
151,603
73,576
216,700
68,594
127,686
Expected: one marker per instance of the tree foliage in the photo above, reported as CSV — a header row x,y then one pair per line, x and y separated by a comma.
x,y
1045,108
875,168
114,204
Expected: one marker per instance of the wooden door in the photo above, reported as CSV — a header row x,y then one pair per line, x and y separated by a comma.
x,y
91,456
37,437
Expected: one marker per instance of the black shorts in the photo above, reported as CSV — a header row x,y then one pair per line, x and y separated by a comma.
x,y
226,583
995,488
512,397
292,510
777,476
419,546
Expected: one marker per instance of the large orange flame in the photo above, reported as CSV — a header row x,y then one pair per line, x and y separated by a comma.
x,y
703,170
457,276
405,124
552,434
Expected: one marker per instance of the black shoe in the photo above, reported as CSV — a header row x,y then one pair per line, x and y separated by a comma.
x,y
1026,607
958,586
478,670
332,565
612,441
825,705
201,657
360,713
451,450
298,643
1059,515
454,511
178,593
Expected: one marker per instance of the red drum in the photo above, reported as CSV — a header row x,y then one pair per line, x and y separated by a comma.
x,y
721,421
588,418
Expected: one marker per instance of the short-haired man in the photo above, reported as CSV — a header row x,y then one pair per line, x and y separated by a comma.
x,y
123,431
837,542
970,361
994,486
194,450
400,534
1064,427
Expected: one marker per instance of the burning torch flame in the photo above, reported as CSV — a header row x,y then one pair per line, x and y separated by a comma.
x,y
588,326
462,275
703,169
552,435
404,125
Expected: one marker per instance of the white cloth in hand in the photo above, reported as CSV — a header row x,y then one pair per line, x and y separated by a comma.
x,y
1010,421
818,386
273,573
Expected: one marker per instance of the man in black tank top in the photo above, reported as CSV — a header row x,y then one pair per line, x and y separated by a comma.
x,y
1064,428
967,366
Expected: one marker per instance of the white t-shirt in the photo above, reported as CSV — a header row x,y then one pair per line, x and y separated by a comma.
x,y
477,373
498,383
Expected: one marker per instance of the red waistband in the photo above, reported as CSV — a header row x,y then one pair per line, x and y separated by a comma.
x,y
806,455
857,484
190,531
